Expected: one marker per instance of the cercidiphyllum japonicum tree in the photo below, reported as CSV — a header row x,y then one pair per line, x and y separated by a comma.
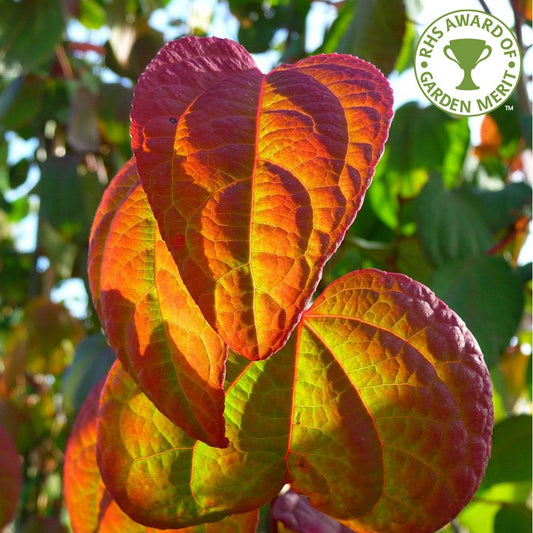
x,y
373,400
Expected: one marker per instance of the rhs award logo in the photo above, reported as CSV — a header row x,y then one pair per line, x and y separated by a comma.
x,y
467,62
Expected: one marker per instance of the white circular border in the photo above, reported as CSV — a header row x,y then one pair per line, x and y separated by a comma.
x,y
446,74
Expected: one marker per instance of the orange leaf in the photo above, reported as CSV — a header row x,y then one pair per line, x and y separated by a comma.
x,y
378,409
254,179
490,137
150,320
155,489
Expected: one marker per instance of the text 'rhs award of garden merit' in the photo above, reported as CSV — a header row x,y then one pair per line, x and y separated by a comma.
x,y
467,62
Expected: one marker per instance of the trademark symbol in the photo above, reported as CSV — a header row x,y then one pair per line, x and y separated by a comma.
x,y
509,107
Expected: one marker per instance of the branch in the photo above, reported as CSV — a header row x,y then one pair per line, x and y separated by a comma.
x,y
485,7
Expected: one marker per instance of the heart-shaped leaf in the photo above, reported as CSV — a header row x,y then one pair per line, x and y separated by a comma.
x,y
150,320
90,505
378,409
254,179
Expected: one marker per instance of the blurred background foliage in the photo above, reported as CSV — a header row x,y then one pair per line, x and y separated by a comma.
x,y
450,206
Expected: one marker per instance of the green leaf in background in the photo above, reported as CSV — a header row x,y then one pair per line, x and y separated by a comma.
x,y
29,31
407,53
488,295
113,114
18,173
515,518
92,14
511,452
68,197
422,140
92,360
502,208
26,105
412,260
508,121
500,504
14,274
449,225
370,29
480,515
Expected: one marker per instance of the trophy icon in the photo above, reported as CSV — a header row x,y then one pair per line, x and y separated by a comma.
x,y
467,53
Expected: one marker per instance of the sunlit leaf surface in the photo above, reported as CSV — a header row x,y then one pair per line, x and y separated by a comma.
x,y
90,505
378,409
150,320
254,179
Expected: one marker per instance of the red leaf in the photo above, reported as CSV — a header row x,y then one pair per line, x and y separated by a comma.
x,y
10,478
90,505
378,409
150,320
254,179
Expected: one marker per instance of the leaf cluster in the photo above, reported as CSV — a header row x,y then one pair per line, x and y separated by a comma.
x,y
448,212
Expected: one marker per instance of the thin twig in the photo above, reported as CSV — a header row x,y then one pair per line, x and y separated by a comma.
x,y
485,7
64,63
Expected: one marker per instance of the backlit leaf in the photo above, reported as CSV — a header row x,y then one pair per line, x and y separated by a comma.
x,y
10,478
378,409
90,505
148,469
408,433
255,179
150,320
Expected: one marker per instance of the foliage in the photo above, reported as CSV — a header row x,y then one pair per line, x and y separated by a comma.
x,y
449,214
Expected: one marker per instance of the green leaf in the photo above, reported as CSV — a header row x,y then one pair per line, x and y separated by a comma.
x,y
421,141
370,29
450,224
21,24
508,121
92,360
113,113
18,173
69,197
502,208
407,52
412,260
487,295
92,14
516,518
27,105
480,515
511,452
